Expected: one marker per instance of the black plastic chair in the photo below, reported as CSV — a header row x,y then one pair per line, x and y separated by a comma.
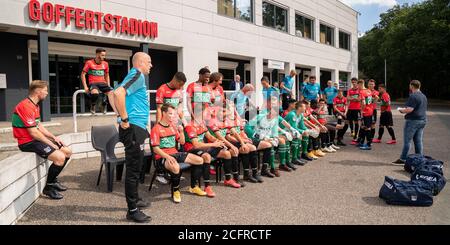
x,y
105,139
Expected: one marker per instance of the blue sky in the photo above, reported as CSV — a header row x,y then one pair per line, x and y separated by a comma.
x,y
371,9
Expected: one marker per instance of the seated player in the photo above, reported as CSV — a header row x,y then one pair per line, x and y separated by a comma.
x,y
247,151
340,111
165,138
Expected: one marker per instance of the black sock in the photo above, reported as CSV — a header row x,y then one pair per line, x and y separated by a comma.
x,y
369,137
227,168
391,132
175,180
235,167
196,174
246,161
351,125
372,133
362,136
332,136
206,174
53,173
254,159
356,130
266,155
380,132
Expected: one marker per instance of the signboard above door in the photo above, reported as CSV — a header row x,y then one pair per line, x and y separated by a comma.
x,y
273,64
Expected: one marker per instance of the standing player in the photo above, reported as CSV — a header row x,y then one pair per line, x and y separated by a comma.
x,y
217,95
340,110
367,112
385,117
199,93
330,93
375,98
354,109
171,93
98,80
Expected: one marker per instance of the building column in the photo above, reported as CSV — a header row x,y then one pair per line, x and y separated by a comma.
x,y
44,72
336,34
315,71
144,47
317,30
256,73
335,75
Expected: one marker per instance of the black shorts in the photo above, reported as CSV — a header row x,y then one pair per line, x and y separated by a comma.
x,y
180,157
353,115
367,122
374,116
386,119
41,149
214,151
102,87
237,144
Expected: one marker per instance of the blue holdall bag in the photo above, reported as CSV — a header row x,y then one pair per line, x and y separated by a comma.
x,y
434,180
432,166
414,161
406,193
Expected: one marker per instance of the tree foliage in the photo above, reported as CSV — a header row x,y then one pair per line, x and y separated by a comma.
x,y
415,41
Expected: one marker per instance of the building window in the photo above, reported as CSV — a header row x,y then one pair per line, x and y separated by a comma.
x,y
344,40
275,17
304,27
239,9
326,35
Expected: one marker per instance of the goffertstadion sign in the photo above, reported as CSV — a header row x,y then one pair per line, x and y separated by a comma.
x,y
90,20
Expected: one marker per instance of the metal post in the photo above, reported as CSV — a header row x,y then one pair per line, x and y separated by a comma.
x,y
44,72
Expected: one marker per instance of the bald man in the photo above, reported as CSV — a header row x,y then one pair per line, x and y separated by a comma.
x,y
133,107
236,85
240,99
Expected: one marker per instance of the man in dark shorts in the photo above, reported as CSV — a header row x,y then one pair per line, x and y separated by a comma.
x,y
32,136
386,120
354,109
375,97
98,80
165,138
367,113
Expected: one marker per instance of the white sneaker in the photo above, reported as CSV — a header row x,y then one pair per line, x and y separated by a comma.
x,y
331,149
327,150
335,147
162,180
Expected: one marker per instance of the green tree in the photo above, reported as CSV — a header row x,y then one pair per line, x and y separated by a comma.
x,y
415,41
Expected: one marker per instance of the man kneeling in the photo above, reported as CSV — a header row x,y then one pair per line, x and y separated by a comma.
x,y
32,136
164,137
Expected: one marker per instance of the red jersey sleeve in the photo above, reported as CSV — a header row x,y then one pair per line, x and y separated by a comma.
x,y
160,96
213,125
27,116
86,66
154,137
106,66
190,90
191,132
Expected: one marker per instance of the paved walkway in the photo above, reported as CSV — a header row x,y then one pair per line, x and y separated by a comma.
x,y
341,188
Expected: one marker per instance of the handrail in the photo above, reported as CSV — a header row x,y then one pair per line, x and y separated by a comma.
x,y
75,114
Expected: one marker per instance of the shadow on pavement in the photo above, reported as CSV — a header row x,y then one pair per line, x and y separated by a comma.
x,y
359,163
374,201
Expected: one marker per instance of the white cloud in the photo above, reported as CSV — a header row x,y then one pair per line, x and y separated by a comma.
x,y
387,3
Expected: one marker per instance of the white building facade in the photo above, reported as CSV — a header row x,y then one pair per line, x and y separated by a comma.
x,y
245,37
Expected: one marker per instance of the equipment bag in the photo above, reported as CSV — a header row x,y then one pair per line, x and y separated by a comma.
x,y
415,160
398,192
434,180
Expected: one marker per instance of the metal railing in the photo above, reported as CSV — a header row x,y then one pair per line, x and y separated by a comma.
x,y
75,115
